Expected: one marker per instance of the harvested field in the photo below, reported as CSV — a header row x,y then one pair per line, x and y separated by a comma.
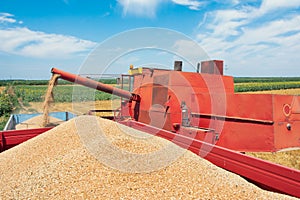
x,y
76,107
36,122
295,91
287,158
55,165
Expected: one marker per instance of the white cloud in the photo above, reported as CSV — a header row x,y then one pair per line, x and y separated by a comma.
x,y
148,8
191,4
189,50
225,23
140,7
270,32
25,42
250,43
235,2
271,5
6,18
235,23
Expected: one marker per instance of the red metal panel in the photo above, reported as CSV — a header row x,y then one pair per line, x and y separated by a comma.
x,y
267,174
205,135
207,83
255,106
250,122
285,114
247,137
145,90
284,138
12,138
1,142
295,107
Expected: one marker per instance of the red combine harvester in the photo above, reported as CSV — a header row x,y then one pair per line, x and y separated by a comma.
x,y
201,112
204,106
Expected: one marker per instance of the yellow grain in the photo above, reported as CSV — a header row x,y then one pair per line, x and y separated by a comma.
x,y
48,99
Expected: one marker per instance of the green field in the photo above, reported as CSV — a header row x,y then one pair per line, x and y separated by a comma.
x,y
62,93
45,82
249,84
265,79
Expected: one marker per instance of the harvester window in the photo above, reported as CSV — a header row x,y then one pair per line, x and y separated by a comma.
x,y
127,83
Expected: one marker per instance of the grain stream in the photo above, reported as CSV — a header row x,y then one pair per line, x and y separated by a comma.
x,y
48,99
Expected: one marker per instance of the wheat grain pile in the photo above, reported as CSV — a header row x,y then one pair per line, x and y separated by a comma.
x,y
56,165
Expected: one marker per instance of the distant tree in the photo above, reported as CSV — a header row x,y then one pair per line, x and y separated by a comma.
x,y
6,106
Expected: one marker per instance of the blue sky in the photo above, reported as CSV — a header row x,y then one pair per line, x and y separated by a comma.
x,y
253,37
